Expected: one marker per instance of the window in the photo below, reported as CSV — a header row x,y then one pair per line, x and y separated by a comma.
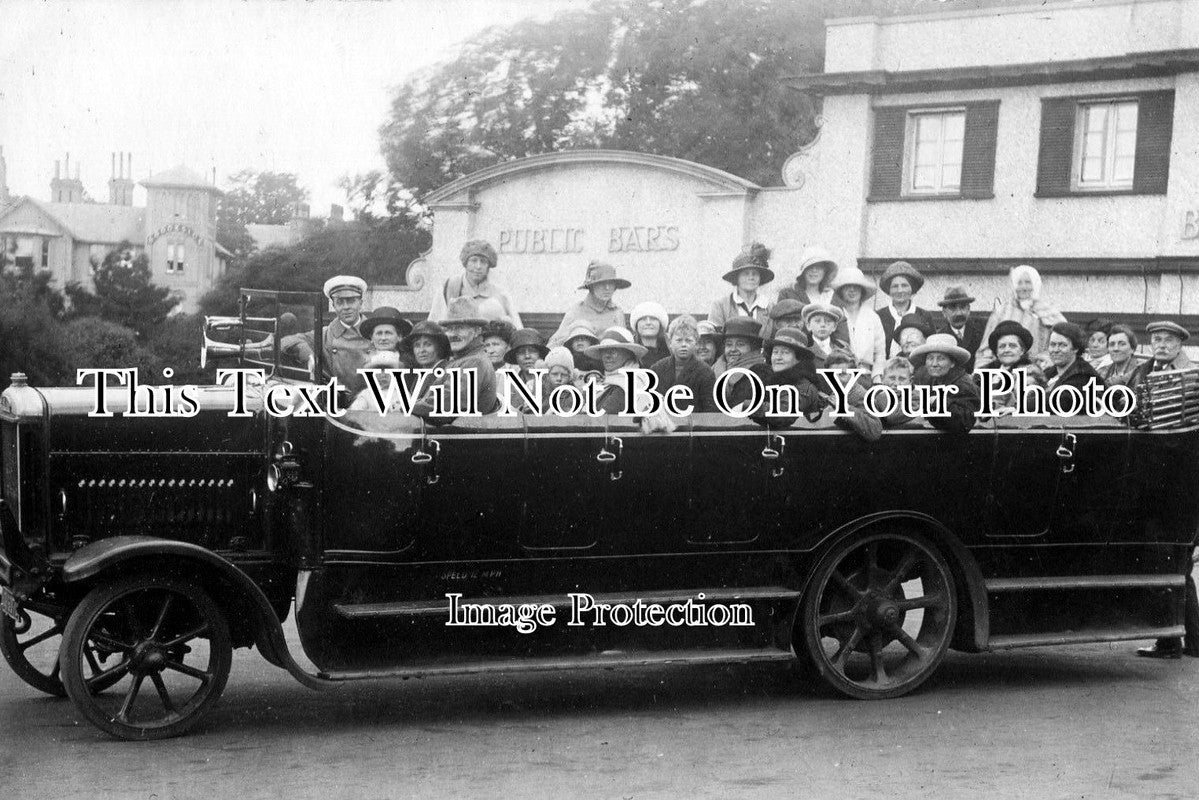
x,y
175,258
45,252
934,153
1105,144
1098,145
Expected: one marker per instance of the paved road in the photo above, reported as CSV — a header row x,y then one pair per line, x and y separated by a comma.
x,y
1081,722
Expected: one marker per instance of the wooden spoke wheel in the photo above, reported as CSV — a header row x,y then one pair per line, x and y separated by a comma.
x,y
31,648
879,615
167,654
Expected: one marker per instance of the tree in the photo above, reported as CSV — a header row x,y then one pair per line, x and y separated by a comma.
x,y
124,292
101,344
256,197
31,338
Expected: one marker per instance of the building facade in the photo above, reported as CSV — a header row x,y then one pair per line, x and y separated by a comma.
x,y
176,229
1063,135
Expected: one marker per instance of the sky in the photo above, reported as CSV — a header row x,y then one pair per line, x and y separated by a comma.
x,y
280,85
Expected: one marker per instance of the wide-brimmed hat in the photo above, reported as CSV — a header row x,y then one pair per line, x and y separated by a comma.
x,y
1166,326
463,311
649,308
526,337
897,269
1009,327
709,329
940,343
616,339
344,284
793,338
818,255
828,309
756,256
955,295
478,247
384,315
913,321
499,328
582,329
1077,336
427,328
786,308
745,327
598,272
852,276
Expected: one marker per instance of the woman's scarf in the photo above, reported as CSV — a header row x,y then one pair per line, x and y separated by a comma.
x,y
746,361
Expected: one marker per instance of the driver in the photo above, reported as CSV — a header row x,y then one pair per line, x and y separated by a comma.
x,y
345,348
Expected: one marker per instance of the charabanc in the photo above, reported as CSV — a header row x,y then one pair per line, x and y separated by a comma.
x,y
138,551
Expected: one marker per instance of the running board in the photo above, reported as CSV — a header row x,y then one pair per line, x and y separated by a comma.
x,y
1079,637
440,608
608,660
1058,583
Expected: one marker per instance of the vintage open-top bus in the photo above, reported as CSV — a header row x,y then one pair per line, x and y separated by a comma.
x,y
137,551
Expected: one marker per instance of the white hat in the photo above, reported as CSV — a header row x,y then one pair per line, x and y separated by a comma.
x,y
649,309
940,343
616,339
347,283
559,357
852,276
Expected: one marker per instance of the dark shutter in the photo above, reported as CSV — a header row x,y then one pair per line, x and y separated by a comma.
x,y
978,149
1155,126
1054,160
886,166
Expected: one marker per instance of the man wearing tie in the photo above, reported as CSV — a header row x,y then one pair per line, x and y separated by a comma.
x,y
955,306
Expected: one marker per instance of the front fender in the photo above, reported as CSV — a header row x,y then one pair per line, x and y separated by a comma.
x,y
103,555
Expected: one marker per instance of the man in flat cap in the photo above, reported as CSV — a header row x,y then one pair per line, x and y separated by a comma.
x,y
345,349
1165,343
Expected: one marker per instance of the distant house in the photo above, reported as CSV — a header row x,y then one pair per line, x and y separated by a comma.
x,y
176,229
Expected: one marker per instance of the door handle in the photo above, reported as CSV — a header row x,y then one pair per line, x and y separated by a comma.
x,y
1065,453
773,451
427,457
612,457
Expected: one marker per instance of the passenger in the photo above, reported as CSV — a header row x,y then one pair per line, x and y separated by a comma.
x,y
751,271
427,344
527,349
497,338
464,329
1121,348
955,308
1010,341
821,321
560,368
940,362
783,314
1165,345
596,310
649,321
1026,307
901,282
710,346
860,421
383,361
385,328
1067,343
867,339
743,348
898,372
618,353
792,363
478,259
682,367
814,282
1096,354
345,350
911,332
579,338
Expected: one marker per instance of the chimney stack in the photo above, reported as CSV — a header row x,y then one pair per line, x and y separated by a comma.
x,y
120,187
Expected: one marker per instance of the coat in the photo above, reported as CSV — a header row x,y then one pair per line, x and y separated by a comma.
x,y
492,301
887,317
694,374
725,308
867,340
345,352
471,357
1078,375
803,377
741,391
586,312
961,406
1038,319
970,340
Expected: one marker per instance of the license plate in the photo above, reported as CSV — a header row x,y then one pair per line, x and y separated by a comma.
x,y
8,604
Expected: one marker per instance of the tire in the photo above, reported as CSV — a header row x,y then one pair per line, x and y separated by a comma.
x,y
858,627
39,670
152,626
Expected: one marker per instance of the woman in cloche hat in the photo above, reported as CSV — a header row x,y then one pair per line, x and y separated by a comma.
x,y
867,339
751,270
478,259
597,309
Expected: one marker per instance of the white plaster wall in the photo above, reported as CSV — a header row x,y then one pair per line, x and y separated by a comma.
x,y
1020,34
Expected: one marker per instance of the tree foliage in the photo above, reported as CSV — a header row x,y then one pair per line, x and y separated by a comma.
x,y
31,337
256,197
124,292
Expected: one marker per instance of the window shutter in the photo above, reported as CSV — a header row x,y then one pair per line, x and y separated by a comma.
x,y
1155,126
886,167
1057,146
978,149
